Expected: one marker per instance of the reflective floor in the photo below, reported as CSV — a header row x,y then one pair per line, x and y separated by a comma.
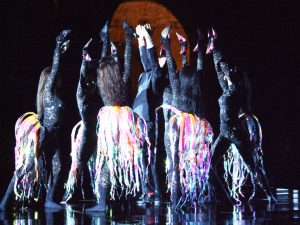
x,y
285,211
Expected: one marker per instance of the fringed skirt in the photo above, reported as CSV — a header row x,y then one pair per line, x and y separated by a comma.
x,y
236,171
29,179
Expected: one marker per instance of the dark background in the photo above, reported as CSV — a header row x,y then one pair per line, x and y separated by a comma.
x,y
261,36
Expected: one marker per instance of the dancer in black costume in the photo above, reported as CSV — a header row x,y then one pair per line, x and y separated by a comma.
x,y
89,103
186,98
114,91
146,101
49,111
231,131
52,119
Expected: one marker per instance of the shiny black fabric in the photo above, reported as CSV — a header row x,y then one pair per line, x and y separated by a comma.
x,y
231,131
52,119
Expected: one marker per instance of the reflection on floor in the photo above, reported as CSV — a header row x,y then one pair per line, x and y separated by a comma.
x,y
285,211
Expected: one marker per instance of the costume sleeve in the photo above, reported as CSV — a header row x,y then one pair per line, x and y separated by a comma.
x,y
171,69
144,58
156,76
127,61
218,59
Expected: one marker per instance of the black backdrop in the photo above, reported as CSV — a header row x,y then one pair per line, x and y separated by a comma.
x,y
261,36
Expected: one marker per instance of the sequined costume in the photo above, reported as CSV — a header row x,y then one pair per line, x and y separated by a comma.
x,y
84,143
121,135
231,131
52,119
190,136
32,131
28,180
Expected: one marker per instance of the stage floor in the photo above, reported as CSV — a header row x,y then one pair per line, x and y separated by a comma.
x,y
285,211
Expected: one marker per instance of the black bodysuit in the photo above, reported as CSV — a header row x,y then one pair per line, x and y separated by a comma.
x,y
89,104
231,131
52,120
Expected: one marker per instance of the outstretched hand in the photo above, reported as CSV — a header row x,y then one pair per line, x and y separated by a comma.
x,y
62,36
166,32
61,40
148,29
128,30
212,36
183,43
113,49
139,31
85,53
103,34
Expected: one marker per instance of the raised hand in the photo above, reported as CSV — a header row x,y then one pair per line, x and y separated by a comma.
x,y
113,49
200,40
104,32
166,32
183,43
148,28
128,30
212,36
139,31
85,53
61,40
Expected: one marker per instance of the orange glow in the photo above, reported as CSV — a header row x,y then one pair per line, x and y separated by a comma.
x,y
140,12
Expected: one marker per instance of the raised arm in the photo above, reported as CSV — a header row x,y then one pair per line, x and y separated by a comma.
x,y
142,48
128,53
114,51
218,58
156,74
170,62
199,50
81,87
183,47
61,46
104,36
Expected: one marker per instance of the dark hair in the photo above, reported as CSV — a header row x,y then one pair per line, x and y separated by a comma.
x,y
189,90
110,82
41,92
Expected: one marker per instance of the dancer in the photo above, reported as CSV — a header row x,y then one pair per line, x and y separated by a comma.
x,y
29,178
84,138
145,103
89,103
121,133
236,171
231,131
190,135
52,119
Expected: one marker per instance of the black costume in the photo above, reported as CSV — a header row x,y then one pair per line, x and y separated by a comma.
x,y
52,120
89,103
145,103
231,130
100,191
175,90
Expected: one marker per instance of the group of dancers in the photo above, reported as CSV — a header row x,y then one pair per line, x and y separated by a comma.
x,y
114,146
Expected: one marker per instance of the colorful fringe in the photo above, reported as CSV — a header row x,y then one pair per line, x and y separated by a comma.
x,y
27,130
121,136
195,136
236,171
76,137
